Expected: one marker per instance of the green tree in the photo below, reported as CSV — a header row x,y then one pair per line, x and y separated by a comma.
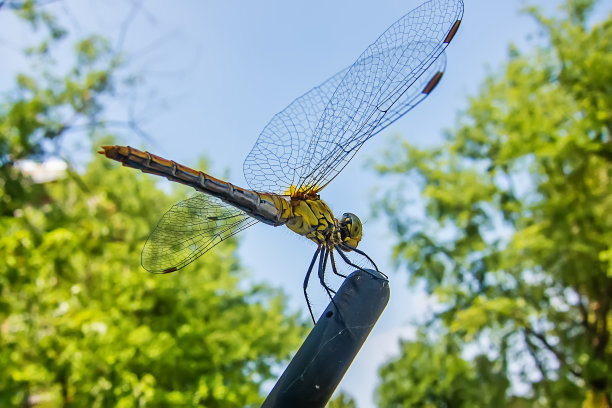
x,y
342,400
49,102
516,234
81,323
414,379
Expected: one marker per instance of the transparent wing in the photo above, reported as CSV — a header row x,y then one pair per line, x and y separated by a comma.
x,y
309,142
188,230
276,161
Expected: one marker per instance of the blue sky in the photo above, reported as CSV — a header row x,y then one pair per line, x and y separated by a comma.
x,y
217,71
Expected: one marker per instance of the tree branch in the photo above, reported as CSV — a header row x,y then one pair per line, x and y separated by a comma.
x,y
585,315
558,354
531,348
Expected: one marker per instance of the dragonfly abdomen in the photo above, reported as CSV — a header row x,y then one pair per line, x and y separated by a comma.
x,y
268,208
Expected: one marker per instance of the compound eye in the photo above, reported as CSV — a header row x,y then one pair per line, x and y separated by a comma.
x,y
352,229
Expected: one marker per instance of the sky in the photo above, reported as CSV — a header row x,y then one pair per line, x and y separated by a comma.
x,y
215,72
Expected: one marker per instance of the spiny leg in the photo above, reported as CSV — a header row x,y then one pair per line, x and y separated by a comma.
x,y
333,264
322,265
348,261
314,258
366,255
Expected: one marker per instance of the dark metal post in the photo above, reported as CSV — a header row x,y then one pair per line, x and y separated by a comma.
x,y
317,368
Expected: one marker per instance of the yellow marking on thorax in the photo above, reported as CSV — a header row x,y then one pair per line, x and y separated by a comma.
x,y
307,191
314,220
281,203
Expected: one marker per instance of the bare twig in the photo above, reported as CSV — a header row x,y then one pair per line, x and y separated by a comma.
x,y
126,24
531,348
575,371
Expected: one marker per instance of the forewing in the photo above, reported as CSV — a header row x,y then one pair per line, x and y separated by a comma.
x,y
334,146
312,139
385,82
188,230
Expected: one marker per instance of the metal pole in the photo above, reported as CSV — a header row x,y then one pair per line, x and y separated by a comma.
x,y
317,368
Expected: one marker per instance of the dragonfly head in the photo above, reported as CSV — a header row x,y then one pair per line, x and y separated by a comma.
x,y
350,230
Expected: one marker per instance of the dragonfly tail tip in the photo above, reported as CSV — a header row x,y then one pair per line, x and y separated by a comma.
x,y
107,151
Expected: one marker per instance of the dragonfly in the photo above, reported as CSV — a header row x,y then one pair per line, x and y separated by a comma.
x,y
302,149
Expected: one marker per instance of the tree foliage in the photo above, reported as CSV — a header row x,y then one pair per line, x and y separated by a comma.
x,y
81,323
516,238
342,400
413,379
49,101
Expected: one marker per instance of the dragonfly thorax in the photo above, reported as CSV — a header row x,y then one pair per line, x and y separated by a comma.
x,y
313,219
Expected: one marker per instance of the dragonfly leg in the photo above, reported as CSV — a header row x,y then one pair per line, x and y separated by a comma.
x,y
348,261
314,258
322,264
333,264
360,252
